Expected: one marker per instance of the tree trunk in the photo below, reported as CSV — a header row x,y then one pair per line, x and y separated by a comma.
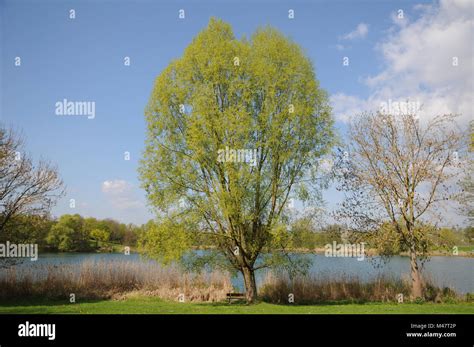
x,y
250,284
417,283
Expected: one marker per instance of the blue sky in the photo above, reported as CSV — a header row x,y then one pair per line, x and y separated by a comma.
x,y
82,59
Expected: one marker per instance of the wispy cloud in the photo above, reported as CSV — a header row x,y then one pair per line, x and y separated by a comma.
x,y
121,194
359,32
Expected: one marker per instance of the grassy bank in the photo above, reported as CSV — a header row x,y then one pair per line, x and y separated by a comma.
x,y
153,305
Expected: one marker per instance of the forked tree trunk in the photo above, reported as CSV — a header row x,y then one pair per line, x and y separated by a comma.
x,y
250,284
416,280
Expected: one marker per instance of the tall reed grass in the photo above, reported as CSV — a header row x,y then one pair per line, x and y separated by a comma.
x,y
121,279
118,279
276,288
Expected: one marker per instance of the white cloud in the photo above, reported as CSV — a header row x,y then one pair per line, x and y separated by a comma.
x,y
121,194
359,32
345,106
418,59
115,186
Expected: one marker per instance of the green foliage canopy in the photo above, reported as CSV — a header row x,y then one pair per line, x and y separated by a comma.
x,y
259,94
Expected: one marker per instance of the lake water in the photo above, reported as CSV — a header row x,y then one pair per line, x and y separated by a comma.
x,y
454,272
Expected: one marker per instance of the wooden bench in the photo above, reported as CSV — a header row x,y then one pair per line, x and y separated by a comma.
x,y
235,296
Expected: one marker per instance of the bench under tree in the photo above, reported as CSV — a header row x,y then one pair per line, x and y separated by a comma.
x,y
235,296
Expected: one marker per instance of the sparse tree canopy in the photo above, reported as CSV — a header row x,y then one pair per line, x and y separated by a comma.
x,y
259,95
467,184
401,170
25,189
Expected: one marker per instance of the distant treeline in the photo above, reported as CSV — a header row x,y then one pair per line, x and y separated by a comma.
x,y
436,238
304,236
73,233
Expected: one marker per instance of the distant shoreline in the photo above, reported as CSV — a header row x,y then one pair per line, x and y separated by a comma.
x,y
319,250
371,252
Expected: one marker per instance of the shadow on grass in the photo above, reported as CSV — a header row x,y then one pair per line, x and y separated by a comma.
x,y
52,302
243,303
34,301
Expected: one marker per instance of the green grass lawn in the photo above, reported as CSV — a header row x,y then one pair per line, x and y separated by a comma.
x,y
158,306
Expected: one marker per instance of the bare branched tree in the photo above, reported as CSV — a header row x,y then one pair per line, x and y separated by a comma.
x,y
399,171
25,188
466,197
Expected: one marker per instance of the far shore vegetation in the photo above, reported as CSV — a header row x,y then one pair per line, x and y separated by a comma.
x,y
74,233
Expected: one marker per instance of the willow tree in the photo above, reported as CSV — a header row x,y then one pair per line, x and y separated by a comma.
x,y
399,173
234,126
